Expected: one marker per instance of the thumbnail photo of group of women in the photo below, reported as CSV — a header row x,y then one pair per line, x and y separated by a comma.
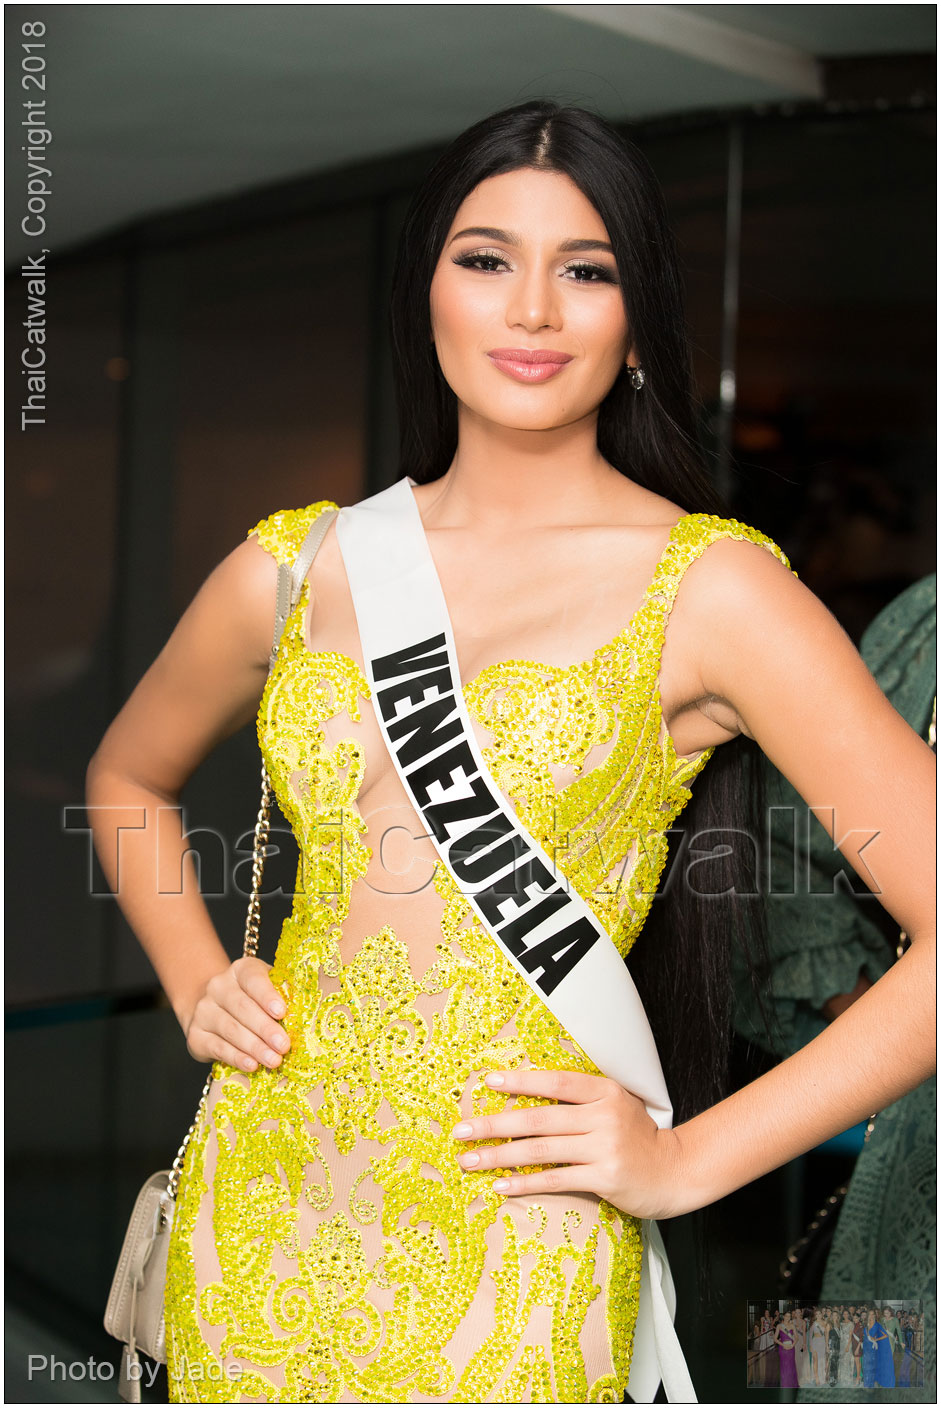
x,y
872,1344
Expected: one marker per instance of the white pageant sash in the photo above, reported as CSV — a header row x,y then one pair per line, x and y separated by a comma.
x,y
541,924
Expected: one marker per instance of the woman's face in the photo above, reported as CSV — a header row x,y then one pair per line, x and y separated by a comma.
x,y
871,1318
516,286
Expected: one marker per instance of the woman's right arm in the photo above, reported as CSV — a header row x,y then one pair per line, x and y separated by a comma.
x,y
204,685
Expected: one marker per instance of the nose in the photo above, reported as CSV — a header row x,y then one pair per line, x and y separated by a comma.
x,y
534,299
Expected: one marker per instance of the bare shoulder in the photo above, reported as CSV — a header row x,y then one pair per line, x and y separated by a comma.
x,y
738,566
767,645
240,598
739,610
738,579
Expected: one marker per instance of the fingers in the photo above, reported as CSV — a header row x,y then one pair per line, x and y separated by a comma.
x,y
229,1055
534,1120
245,1040
217,1036
233,1021
574,1087
269,1033
554,1150
540,1134
598,1138
253,977
575,1179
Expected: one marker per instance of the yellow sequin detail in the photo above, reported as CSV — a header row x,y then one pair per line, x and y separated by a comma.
x,y
326,1244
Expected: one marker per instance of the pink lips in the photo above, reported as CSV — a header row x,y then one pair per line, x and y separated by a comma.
x,y
529,364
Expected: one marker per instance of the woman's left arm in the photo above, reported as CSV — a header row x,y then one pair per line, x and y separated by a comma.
x,y
775,655
800,688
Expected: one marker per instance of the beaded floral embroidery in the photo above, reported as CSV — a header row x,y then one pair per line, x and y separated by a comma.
x,y
326,1246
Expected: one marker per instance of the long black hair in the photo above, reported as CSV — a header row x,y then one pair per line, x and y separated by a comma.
x,y
681,960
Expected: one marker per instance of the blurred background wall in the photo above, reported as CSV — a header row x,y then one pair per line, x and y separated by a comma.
x,y
227,183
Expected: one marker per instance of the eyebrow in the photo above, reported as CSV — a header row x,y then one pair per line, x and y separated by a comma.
x,y
510,237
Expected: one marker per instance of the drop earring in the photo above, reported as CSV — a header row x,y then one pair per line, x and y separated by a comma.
x,y
637,376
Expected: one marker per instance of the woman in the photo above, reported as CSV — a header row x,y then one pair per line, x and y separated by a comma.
x,y
858,1339
908,1337
409,1182
833,1348
878,1370
818,1347
768,1369
754,1354
892,1327
801,1356
847,1366
785,1339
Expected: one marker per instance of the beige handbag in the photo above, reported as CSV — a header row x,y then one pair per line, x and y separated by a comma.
x,y
135,1309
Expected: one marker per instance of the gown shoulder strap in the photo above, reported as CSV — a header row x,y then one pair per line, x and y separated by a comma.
x,y
283,533
292,537
689,538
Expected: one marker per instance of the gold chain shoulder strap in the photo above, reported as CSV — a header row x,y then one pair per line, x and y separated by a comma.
x,y
291,578
249,950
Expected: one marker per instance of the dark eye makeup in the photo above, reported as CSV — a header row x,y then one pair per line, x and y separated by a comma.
x,y
476,258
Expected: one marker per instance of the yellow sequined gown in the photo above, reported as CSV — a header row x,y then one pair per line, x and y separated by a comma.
x,y
327,1247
